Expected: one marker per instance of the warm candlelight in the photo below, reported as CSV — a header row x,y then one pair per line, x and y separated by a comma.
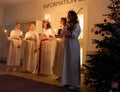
x,y
55,31
21,33
5,31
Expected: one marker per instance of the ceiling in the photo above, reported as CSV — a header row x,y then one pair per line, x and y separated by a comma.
x,y
10,2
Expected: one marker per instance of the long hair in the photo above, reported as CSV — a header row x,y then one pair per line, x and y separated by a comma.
x,y
72,19
48,25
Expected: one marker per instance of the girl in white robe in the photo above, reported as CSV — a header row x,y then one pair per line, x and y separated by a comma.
x,y
71,66
47,50
58,61
14,51
31,43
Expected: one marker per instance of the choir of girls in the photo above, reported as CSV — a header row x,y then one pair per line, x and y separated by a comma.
x,y
57,54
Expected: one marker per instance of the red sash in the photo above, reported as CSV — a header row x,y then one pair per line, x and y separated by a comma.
x,y
39,63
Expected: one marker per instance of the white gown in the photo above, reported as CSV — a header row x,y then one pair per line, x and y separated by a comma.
x,y
14,50
71,66
47,33
47,54
31,43
58,61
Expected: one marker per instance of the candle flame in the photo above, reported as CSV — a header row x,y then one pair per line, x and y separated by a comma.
x,y
21,33
5,31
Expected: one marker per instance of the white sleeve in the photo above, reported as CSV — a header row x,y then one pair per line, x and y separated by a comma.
x,y
76,31
50,32
11,35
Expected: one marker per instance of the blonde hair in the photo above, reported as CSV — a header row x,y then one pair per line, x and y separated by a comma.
x,y
33,26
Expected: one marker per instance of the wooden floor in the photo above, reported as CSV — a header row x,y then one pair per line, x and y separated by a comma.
x,y
46,79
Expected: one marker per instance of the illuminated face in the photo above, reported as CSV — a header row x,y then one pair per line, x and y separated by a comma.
x,y
17,26
62,22
30,27
45,24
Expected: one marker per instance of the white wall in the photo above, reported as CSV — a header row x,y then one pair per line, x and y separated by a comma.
x,y
23,12
96,10
1,15
1,24
33,10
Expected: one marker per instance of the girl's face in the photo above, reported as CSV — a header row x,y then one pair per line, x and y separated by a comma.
x,y
17,26
30,27
45,24
62,22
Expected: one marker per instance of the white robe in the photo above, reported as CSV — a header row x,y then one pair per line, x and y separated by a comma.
x,y
14,50
58,60
47,54
47,32
31,43
71,66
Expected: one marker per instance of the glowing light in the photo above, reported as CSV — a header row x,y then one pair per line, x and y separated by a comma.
x,y
5,31
81,21
48,17
55,31
21,33
81,56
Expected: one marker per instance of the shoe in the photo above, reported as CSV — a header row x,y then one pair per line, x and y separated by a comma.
x,y
14,69
74,89
58,79
65,86
8,69
34,72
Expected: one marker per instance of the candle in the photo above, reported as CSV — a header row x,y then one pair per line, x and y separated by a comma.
x,y
5,31
55,31
21,33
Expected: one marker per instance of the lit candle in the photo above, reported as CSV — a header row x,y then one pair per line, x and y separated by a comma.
x,y
55,31
5,31
21,33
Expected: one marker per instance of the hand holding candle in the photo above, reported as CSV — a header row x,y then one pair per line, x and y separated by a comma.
x,y
55,31
21,35
5,31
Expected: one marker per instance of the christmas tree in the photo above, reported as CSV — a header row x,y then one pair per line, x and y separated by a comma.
x,y
102,69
